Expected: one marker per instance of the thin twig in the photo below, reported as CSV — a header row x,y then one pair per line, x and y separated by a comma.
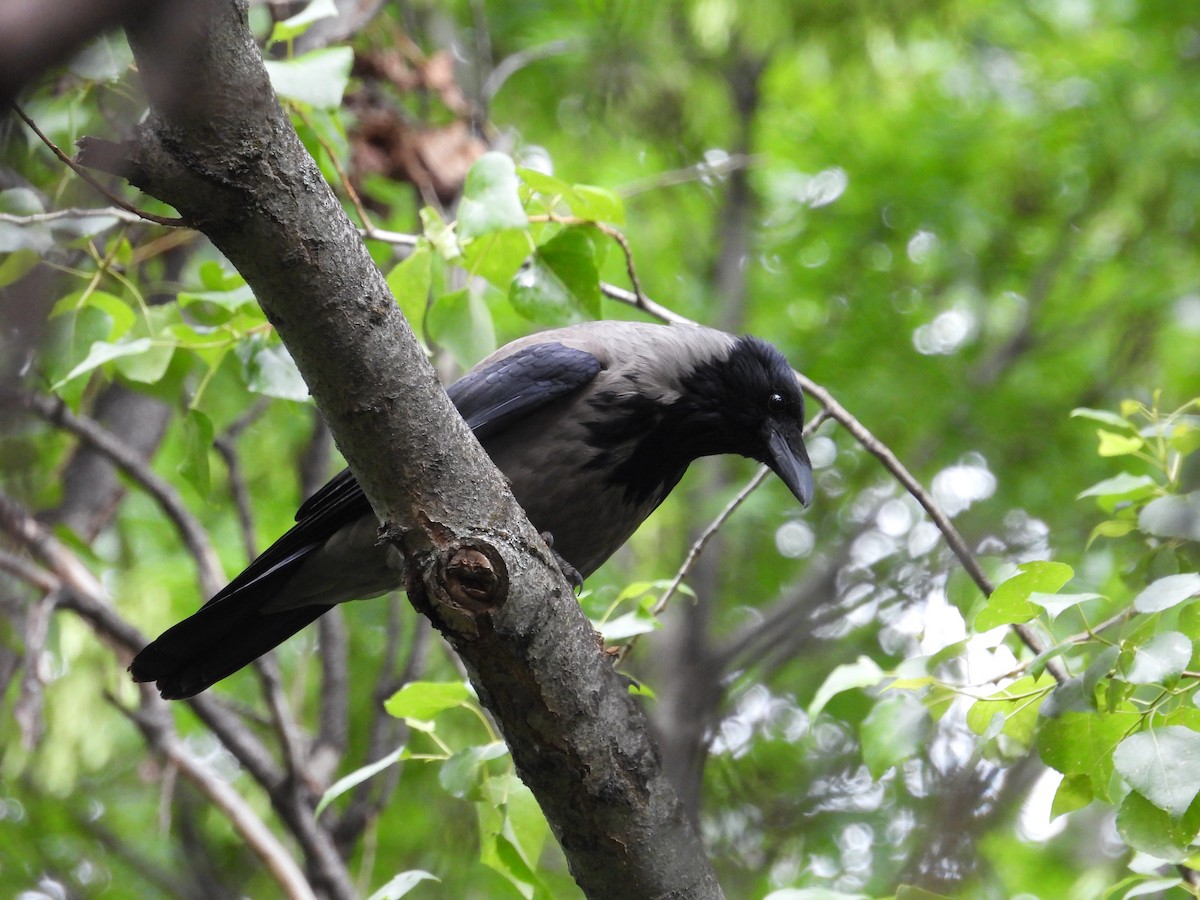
x,y
640,298
83,173
20,567
390,237
239,492
27,709
333,717
224,445
75,212
697,172
208,564
283,723
84,595
513,63
152,721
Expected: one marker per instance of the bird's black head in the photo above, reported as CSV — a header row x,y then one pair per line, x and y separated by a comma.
x,y
749,403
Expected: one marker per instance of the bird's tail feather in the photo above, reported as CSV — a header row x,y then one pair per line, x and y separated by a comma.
x,y
226,634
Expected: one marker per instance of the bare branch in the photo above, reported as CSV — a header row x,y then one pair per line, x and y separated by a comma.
x,y
90,179
701,171
154,722
85,596
55,215
195,538
27,709
514,63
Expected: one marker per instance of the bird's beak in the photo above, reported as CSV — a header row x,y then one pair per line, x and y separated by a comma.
x,y
789,460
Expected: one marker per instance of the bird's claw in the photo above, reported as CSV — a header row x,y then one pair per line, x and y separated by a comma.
x,y
569,571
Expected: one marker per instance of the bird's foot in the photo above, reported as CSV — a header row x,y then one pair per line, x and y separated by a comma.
x,y
569,571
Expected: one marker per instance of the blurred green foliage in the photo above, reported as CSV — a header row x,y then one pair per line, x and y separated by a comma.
x,y
968,220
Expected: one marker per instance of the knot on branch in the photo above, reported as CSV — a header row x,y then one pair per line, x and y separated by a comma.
x,y
474,577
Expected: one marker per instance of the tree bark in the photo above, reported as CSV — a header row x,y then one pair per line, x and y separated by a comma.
x,y
225,155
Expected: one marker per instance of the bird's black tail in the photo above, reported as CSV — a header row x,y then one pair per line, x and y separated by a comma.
x,y
226,634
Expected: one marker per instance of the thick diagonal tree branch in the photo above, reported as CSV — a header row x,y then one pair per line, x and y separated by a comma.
x,y
226,157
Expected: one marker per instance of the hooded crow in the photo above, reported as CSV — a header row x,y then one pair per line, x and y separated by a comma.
x,y
593,425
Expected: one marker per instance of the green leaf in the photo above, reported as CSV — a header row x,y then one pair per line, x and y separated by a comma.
x,y
318,78
102,352
1056,604
358,776
512,832
230,298
912,892
1167,592
16,265
198,440
1103,416
269,370
402,884
895,730
813,893
423,700
1123,488
1100,667
1146,827
638,621
1172,517
122,315
548,186
1118,444
440,234
296,25
490,199
409,282
1157,887
149,367
1185,439
596,204
1162,658
1017,703
1081,743
498,255
861,673
1074,792
461,322
1113,528
1010,604
1161,764
561,286
462,774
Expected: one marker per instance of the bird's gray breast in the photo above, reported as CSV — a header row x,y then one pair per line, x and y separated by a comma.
x,y
564,482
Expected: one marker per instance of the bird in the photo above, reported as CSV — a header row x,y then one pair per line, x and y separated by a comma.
x,y
592,425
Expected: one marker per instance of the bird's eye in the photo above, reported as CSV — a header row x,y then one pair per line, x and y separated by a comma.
x,y
776,404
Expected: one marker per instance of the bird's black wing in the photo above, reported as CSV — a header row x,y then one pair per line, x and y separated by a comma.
x,y
492,397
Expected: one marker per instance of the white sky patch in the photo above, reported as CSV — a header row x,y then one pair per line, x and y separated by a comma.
x,y
1034,823
947,333
957,487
